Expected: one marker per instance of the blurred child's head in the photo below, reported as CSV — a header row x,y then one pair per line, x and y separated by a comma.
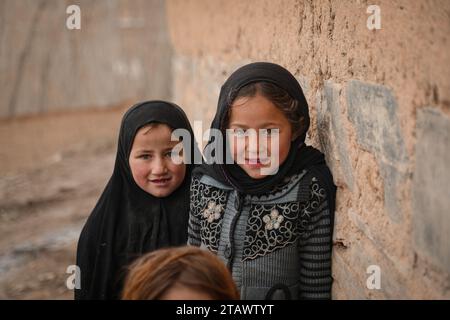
x,y
183,273
151,160
272,114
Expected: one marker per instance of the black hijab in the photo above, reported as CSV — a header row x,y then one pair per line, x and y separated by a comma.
x,y
300,156
127,221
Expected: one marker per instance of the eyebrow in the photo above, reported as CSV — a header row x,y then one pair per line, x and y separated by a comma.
x,y
266,124
151,151
145,151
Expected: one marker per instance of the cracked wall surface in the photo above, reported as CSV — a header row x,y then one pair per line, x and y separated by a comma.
x,y
380,107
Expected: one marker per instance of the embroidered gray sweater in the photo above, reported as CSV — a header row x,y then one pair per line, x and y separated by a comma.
x,y
277,246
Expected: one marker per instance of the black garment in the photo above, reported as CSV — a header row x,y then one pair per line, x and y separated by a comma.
x,y
233,207
300,156
127,221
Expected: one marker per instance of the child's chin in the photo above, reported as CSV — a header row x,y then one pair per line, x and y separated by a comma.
x,y
160,193
255,174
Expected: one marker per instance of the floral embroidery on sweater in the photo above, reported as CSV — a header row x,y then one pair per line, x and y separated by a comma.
x,y
274,226
208,209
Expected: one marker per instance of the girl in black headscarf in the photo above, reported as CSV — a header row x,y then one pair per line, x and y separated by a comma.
x,y
145,204
273,229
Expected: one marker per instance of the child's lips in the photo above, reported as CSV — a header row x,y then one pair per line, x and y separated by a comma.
x,y
161,181
255,163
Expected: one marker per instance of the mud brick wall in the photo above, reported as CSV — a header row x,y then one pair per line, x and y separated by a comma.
x,y
380,106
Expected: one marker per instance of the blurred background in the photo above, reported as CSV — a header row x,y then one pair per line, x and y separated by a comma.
x,y
379,100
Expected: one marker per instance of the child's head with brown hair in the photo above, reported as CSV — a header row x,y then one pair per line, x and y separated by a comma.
x,y
267,108
264,115
182,273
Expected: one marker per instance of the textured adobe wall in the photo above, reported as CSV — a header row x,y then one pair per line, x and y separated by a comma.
x,y
380,106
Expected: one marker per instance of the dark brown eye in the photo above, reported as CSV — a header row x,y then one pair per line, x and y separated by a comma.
x,y
239,132
144,156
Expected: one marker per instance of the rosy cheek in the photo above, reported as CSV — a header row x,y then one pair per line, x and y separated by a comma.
x,y
180,171
238,146
139,171
284,149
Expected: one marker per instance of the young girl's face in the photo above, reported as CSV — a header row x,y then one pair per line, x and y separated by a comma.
x,y
151,163
258,113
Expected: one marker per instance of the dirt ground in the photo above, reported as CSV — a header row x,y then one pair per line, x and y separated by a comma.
x,y
53,169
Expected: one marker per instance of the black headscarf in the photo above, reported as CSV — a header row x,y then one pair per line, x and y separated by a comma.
x,y
300,156
127,221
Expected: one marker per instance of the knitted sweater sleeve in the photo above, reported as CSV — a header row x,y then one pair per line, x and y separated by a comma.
x,y
194,227
315,243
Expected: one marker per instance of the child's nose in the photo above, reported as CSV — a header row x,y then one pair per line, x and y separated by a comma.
x,y
252,144
159,167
